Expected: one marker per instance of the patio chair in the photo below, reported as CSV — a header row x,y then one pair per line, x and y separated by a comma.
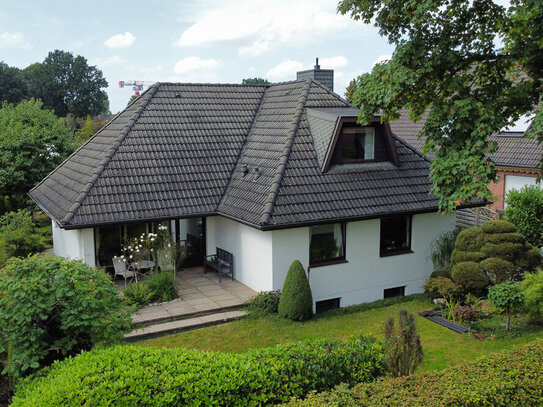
x,y
166,261
122,269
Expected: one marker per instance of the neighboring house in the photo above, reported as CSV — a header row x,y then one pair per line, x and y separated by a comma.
x,y
270,173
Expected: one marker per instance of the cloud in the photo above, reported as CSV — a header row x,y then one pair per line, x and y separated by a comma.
x,y
120,40
381,59
195,63
262,25
8,40
285,70
109,61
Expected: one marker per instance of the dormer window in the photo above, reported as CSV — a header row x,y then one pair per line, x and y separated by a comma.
x,y
357,144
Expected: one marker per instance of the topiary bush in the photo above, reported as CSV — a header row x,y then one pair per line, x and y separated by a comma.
x,y
296,301
265,303
469,240
533,295
146,376
498,270
525,210
470,276
498,226
459,256
51,308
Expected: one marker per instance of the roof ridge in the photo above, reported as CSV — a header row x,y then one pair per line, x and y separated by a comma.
x,y
81,197
241,151
278,178
333,94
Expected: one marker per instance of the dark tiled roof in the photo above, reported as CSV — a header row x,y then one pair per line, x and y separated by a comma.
x,y
180,150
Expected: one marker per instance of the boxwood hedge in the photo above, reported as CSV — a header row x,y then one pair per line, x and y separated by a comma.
x,y
508,378
140,376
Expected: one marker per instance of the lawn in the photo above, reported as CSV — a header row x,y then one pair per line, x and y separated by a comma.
x,y
442,347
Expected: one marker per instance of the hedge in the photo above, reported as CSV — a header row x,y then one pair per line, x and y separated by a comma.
x,y
141,376
508,378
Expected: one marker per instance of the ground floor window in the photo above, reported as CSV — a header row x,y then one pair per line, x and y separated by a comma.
x,y
395,235
327,243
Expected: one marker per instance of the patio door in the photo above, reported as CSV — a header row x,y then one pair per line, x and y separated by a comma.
x,y
191,232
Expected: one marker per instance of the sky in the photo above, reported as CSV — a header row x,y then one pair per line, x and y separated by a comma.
x,y
198,41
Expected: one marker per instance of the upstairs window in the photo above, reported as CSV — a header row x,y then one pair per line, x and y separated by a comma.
x,y
357,144
327,244
395,235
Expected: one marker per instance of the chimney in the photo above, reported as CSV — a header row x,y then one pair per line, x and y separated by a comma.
x,y
324,76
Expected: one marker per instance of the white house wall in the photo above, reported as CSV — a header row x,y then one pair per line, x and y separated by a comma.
x,y
252,250
365,275
74,244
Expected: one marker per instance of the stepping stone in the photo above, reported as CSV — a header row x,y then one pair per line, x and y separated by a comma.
x,y
435,316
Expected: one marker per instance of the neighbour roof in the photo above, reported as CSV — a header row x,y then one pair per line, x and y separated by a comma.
x,y
248,152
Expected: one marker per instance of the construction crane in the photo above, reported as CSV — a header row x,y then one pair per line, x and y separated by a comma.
x,y
137,86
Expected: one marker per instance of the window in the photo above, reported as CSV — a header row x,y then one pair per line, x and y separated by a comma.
x,y
327,244
395,235
394,292
357,144
326,305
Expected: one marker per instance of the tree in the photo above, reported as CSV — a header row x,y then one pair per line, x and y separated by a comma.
x,y
254,81
525,210
89,128
474,66
508,298
33,142
132,99
12,84
68,85
349,91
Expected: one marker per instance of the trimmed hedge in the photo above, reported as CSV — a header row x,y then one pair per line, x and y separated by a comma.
x,y
469,240
470,275
498,226
459,256
508,378
498,270
296,302
140,376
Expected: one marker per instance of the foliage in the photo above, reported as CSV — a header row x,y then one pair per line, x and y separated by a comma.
x,y
137,294
498,270
349,91
255,81
466,314
89,128
68,85
33,142
508,378
470,276
132,99
508,298
51,308
441,249
469,240
12,84
525,210
473,67
532,286
443,286
403,351
148,246
498,226
296,301
459,256
265,303
162,286
173,377
17,234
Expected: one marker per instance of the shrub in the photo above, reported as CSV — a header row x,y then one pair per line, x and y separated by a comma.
x,y
296,301
441,250
466,314
470,276
162,286
403,351
498,226
498,238
136,376
18,236
265,303
469,240
498,270
459,256
525,210
50,309
533,291
507,251
509,378
137,294
508,298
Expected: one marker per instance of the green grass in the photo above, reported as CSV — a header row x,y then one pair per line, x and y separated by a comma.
x,y
442,347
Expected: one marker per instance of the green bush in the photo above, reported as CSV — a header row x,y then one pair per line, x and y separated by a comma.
x,y
162,286
498,270
265,303
470,276
525,210
51,308
296,301
469,240
459,256
498,226
498,238
533,292
507,251
137,294
18,235
508,298
138,376
508,378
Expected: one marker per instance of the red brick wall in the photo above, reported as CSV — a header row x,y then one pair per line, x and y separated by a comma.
x,y
498,189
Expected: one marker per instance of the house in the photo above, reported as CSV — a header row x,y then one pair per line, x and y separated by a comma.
x,y
270,173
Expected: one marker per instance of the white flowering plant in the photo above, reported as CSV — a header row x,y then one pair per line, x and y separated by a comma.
x,y
148,245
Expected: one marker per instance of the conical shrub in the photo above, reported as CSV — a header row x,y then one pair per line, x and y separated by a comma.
x,y
296,301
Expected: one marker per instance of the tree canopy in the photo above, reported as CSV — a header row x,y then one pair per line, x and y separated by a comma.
x,y
254,81
68,85
474,66
12,84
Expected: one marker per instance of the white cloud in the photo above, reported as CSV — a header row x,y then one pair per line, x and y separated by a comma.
x,y
380,59
262,25
108,61
285,70
120,40
195,63
8,40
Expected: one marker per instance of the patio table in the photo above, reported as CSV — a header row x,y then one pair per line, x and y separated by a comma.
x,y
143,265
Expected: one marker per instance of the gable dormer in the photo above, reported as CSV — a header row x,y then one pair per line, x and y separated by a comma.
x,y
340,140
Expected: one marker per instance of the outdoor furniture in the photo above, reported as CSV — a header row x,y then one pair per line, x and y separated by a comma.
x,y
222,261
122,269
166,262
143,265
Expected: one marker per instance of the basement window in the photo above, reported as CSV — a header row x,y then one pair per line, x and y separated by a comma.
x,y
394,292
327,245
326,305
395,235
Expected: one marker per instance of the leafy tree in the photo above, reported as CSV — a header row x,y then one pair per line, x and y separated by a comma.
x,y
17,234
349,91
12,84
403,350
525,211
89,128
51,309
33,142
508,298
475,66
67,84
254,81
132,98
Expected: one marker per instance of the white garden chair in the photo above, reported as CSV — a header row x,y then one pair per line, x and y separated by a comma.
x,y
166,262
121,269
